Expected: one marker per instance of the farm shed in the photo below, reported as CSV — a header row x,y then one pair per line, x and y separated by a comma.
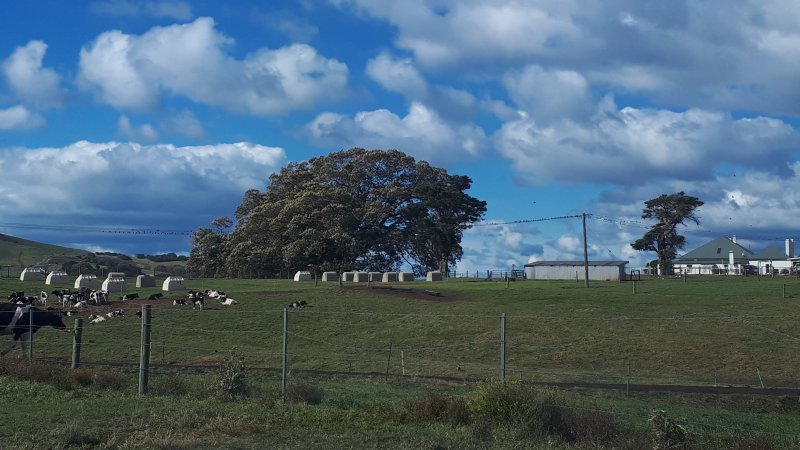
x,y
571,270
348,276
360,277
86,281
173,284
330,276
32,274
56,277
302,275
145,281
389,277
434,275
375,276
405,276
114,282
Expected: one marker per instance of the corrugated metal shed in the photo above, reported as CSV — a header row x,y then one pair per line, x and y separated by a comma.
x,y
572,270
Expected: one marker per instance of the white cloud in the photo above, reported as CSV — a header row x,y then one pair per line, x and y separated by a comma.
x,y
142,133
177,10
33,84
19,118
129,184
421,133
185,124
629,145
133,72
547,94
397,75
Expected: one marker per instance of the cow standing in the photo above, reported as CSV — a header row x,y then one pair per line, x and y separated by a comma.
x,y
16,321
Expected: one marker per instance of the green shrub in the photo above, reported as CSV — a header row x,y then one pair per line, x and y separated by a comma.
x,y
304,393
231,381
531,411
666,433
436,407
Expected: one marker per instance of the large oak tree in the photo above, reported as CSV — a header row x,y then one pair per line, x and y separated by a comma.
x,y
354,209
669,211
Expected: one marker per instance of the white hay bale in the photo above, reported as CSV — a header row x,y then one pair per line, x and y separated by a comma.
x,y
360,277
86,281
115,284
348,276
56,277
330,276
145,281
302,275
375,276
32,274
405,276
173,284
434,275
389,277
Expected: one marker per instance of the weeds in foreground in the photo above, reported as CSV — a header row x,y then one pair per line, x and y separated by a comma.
x,y
62,377
231,381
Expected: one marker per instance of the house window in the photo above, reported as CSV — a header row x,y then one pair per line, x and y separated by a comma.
x,y
719,250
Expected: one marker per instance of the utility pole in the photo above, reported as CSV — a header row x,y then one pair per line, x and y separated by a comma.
x,y
585,254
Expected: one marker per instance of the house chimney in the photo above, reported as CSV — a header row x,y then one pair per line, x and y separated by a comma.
x,y
730,258
733,238
790,248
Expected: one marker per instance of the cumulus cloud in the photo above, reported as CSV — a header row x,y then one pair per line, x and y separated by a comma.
x,y
113,183
713,55
133,72
397,75
186,124
177,10
142,133
31,83
630,145
19,118
421,133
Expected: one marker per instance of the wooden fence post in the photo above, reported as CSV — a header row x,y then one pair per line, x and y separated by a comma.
x,y
285,352
144,360
77,336
503,348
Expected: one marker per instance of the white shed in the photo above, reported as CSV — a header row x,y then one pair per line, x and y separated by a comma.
x,y
173,284
360,277
56,277
348,276
405,276
434,275
574,270
330,276
375,276
302,275
389,277
115,284
32,274
145,281
86,281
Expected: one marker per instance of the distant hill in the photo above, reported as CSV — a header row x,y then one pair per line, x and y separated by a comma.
x,y
20,253
16,251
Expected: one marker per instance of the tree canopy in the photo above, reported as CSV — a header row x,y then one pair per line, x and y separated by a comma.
x,y
663,238
349,210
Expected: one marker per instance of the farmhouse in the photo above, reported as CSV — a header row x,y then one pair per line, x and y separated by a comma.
x,y
724,256
574,270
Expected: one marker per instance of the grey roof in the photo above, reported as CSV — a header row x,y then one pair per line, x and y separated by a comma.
x,y
769,254
716,251
576,263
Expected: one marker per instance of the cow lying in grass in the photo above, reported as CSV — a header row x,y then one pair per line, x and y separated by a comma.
x,y
15,321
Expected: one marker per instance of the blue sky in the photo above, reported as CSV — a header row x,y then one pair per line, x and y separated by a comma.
x,y
125,115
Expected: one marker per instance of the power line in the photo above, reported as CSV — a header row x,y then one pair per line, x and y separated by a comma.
x,y
515,222
93,229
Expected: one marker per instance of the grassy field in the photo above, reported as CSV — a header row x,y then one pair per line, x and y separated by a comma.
x,y
705,331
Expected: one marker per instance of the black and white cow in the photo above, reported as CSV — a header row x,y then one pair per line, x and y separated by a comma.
x,y
155,296
132,296
197,299
15,321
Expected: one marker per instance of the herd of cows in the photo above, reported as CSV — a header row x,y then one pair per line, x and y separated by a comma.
x,y
21,316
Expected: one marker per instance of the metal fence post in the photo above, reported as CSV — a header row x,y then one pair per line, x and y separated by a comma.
x,y
144,360
503,348
77,335
285,352
30,334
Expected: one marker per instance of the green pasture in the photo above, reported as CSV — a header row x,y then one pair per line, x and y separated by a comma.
x,y
704,331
